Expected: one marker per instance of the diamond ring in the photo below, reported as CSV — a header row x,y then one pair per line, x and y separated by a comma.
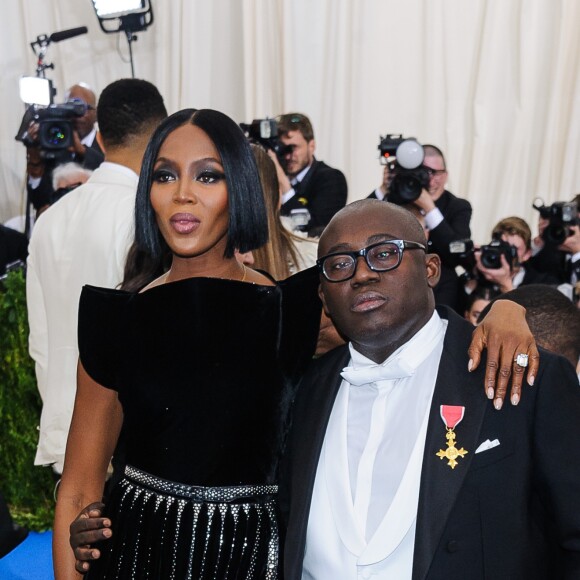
x,y
521,360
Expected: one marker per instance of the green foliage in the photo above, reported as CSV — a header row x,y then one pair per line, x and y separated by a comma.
x,y
27,488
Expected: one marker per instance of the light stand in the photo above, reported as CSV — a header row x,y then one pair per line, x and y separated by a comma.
x,y
38,90
129,16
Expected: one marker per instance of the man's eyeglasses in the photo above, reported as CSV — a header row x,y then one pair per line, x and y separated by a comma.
x,y
78,101
434,172
380,257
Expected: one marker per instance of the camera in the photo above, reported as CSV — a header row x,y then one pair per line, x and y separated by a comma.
x,y
404,157
265,133
561,215
492,253
55,126
463,252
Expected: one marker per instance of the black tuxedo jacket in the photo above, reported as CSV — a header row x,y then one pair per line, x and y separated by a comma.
x,y
551,261
324,190
13,247
455,226
94,156
532,276
511,512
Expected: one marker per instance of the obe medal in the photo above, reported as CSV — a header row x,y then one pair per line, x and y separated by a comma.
x,y
452,416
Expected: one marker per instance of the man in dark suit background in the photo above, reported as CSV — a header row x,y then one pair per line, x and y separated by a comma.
x,y
84,150
402,469
447,218
308,183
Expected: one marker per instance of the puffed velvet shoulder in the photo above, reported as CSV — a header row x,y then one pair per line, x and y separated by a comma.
x,y
100,332
301,308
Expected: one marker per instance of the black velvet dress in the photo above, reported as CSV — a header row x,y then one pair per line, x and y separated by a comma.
x,y
205,370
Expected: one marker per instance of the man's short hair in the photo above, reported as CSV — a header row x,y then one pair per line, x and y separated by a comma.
x,y
128,108
552,318
295,122
514,226
433,151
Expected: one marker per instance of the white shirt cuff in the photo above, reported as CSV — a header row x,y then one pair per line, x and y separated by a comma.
x,y
433,218
379,194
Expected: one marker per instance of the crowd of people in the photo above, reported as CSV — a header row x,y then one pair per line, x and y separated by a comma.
x,y
175,307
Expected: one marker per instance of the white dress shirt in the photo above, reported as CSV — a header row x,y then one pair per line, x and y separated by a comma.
x,y
292,192
88,139
364,507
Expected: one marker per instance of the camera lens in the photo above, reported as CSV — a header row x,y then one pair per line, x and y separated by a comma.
x,y
555,234
491,258
407,184
55,135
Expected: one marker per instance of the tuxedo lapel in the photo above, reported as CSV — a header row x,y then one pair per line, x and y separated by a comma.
x,y
311,415
302,188
439,483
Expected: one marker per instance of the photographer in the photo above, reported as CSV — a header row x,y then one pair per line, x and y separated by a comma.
x,y
557,246
447,217
306,182
510,258
84,149
38,179
383,189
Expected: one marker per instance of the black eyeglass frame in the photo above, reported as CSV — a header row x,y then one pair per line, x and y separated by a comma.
x,y
434,172
401,246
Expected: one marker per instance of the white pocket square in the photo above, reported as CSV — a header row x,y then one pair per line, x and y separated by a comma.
x,y
486,445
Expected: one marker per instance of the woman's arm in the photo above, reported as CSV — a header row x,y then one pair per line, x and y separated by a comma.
x,y
95,427
505,333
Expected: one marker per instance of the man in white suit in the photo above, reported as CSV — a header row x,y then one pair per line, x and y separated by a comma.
x,y
84,239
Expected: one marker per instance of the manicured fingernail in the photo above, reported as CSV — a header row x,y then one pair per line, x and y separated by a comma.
x,y
107,533
497,404
531,380
490,393
515,399
470,365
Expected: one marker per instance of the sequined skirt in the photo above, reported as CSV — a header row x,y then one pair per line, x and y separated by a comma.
x,y
169,531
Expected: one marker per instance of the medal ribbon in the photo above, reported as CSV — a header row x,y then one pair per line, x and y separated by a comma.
x,y
452,415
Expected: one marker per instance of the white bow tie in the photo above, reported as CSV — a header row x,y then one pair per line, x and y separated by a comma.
x,y
391,369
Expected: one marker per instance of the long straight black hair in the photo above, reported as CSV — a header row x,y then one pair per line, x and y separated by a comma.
x,y
248,222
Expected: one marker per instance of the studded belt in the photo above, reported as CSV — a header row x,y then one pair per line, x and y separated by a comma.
x,y
198,493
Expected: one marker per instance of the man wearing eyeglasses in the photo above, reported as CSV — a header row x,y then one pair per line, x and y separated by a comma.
x,y
305,182
85,149
447,218
85,146
397,466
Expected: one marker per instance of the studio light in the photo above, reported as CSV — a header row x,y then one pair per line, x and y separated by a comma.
x,y
129,16
118,15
